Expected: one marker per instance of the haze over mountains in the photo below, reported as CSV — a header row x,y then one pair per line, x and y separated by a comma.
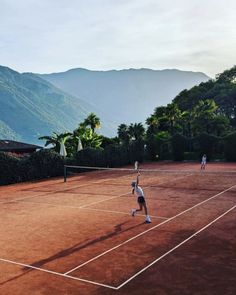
x,y
34,105
127,96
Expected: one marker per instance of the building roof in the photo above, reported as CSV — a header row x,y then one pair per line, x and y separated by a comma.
x,y
11,145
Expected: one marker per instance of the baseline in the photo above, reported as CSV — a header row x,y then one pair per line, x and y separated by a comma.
x,y
144,232
176,247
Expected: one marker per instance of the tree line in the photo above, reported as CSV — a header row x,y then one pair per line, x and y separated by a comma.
x,y
206,112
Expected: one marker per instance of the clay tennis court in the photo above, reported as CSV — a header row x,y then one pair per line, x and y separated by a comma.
x,y
78,237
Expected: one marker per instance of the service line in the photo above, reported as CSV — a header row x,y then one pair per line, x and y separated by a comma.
x,y
144,232
177,246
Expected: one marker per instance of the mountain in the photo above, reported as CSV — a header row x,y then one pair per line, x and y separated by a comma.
x,y
128,96
32,107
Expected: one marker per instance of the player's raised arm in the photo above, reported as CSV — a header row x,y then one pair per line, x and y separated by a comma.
x,y
137,180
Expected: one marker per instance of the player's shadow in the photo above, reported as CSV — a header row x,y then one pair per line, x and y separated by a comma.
x,y
75,248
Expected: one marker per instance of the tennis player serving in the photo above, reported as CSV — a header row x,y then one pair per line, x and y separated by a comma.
x,y
140,199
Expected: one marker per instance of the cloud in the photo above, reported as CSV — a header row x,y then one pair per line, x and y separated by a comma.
x,y
55,35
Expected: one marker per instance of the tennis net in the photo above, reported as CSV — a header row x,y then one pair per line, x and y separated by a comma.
x,y
149,177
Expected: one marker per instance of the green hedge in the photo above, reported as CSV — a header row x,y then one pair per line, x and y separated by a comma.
x,y
42,164
206,144
230,147
8,168
179,143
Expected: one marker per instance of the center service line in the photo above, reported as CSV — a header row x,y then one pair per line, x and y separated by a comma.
x,y
142,233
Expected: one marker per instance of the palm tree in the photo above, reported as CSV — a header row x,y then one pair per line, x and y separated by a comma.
x,y
56,139
186,122
152,123
173,114
136,131
88,137
93,121
123,133
203,114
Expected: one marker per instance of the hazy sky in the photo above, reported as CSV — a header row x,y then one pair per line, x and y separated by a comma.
x,y
55,35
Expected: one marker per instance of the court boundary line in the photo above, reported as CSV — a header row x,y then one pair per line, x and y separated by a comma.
x,y
129,193
144,232
45,193
84,206
92,209
65,275
56,273
176,247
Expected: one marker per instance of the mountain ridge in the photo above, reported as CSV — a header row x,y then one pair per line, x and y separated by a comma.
x,y
32,107
143,89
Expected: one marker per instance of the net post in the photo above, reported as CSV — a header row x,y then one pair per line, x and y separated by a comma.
x,y
65,173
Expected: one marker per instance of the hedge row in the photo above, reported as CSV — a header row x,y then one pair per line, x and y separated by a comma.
x,y
42,164
180,148
47,163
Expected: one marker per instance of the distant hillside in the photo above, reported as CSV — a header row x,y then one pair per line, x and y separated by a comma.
x,y
127,95
32,107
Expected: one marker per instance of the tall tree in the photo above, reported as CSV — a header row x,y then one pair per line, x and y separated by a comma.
x,y
136,131
152,123
173,114
56,139
93,121
203,114
123,133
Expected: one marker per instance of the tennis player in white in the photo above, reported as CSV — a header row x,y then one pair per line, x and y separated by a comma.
x,y
140,199
203,163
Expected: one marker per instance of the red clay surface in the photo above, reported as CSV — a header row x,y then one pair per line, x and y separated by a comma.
x,y
78,237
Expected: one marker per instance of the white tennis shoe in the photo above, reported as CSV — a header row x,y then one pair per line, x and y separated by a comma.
x,y
148,219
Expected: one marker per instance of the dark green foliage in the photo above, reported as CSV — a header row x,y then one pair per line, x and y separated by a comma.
x,y
136,151
158,148
206,144
8,168
191,156
179,143
42,164
230,147
116,155
151,148
90,157
45,163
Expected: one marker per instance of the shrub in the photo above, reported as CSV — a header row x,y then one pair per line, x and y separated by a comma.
x,y
42,164
90,157
8,168
179,143
230,147
191,156
206,144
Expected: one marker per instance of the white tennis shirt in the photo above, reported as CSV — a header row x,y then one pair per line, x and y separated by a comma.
x,y
138,191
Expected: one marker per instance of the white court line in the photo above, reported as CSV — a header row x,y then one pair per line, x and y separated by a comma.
x,y
42,193
129,193
56,273
120,212
92,209
177,246
28,197
100,201
144,232
45,193
138,273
